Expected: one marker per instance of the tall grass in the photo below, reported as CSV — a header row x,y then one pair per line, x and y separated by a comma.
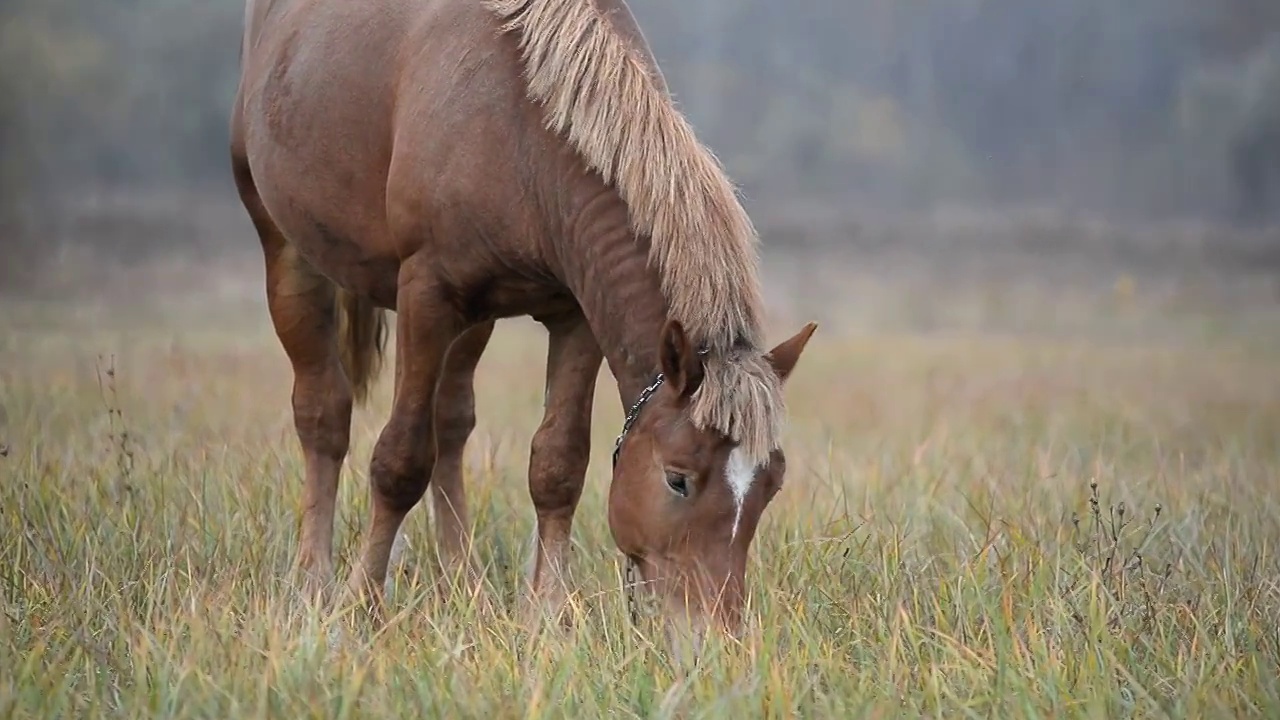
x,y
971,527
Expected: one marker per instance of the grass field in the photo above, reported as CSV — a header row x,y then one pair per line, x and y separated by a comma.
x,y
935,551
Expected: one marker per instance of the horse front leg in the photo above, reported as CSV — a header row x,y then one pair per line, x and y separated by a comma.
x,y
559,454
455,418
405,453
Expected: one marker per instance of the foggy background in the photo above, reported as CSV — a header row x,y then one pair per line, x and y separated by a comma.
x,y
1142,129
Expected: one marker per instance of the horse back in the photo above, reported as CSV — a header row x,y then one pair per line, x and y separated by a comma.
x,y
371,128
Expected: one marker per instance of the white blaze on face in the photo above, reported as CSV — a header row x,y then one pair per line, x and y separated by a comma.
x,y
739,473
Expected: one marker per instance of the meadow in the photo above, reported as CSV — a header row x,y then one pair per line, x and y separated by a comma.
x,y
1015,501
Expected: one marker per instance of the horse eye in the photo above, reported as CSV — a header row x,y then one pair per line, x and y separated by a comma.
x,y
678,483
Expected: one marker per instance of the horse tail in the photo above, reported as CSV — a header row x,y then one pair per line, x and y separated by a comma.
x,y
362,341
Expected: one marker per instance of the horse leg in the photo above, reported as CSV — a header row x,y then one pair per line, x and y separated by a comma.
x,y
395,560
302,306
560,451
405,453
455,418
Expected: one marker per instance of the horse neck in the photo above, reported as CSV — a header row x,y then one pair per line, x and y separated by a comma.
x,y
607,268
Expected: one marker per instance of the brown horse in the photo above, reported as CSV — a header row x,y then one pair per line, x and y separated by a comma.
x,y
459,161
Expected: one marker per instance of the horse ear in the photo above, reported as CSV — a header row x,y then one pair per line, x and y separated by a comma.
x,y
681,364
783,357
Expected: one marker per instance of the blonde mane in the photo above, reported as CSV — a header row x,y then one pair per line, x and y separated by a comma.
x,y
599,94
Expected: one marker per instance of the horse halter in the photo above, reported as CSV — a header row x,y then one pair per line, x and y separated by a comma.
x,y
629,578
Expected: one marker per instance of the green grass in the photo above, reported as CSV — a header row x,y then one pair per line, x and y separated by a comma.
x,y
922,559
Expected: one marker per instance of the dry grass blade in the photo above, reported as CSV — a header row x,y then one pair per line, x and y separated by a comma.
x,y
1064,527
4,427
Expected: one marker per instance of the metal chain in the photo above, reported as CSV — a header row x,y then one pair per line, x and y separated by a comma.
x,y
634,412
629,585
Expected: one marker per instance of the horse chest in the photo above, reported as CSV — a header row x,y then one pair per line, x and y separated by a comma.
x,y
497,296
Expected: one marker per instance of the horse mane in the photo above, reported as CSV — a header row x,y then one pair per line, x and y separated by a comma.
x,y
598,93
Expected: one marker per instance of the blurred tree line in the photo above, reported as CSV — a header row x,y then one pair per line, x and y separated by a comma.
x,y
1144,106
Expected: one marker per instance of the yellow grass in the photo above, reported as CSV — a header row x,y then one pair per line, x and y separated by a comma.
x,y
921,560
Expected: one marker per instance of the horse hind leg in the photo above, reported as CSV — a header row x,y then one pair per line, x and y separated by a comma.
x,y
334,344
